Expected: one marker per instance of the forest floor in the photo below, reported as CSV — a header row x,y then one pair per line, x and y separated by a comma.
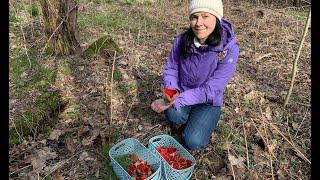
x,y
256,137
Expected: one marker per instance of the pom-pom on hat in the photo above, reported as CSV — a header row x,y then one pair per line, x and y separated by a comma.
x,y
213,7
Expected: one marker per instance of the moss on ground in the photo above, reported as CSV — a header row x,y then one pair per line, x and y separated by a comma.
x,y
104,43
32,119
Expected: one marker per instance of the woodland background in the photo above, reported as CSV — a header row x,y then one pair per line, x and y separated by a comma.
x,y
84,73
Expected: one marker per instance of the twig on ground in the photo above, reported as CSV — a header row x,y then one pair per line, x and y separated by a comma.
x,y
95,150
130,107
111,85
24,38
15,128
263,138
18,170
291,143
146,133
61,163
304,117
107,99
303,104
263,56
288,129
28,18
245,134
268,145
25,46
195,175
233,175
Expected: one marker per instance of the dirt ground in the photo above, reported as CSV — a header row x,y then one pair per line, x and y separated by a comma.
x,y
256,138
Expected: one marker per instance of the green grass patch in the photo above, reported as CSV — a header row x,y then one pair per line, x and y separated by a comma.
x,y
23,79
12,17
117,75
37,76
31,120
122,87
103,19
103,1
297,14
20,64
238,142
77,122
44,78
33,10
64,66
73,113
109,1
107,172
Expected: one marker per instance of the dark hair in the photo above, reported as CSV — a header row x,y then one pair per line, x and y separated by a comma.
x,y
213,39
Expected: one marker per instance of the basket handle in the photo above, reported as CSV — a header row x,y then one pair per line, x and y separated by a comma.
x,y
119,146
157,139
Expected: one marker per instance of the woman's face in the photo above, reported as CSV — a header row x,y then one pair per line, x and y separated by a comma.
x,y
202,25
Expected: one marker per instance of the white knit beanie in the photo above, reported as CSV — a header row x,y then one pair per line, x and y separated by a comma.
x,y
211,6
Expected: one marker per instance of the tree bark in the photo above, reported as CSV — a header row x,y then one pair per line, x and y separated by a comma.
x,y
60,25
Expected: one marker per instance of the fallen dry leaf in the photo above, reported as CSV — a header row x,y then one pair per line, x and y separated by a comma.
x,y
263,100
295,125
38,161
83,130
237,110
84,156
272,146
55,134
88,141
251,95
280,175
268,113
70,143
38,164
236,161
57,175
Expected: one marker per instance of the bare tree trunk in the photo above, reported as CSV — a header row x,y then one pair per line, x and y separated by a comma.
x,y
60,25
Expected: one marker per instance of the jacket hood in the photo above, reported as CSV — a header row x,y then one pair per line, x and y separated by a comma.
x,y
228,38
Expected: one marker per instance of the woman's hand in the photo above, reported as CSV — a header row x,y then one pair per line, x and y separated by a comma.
x,y
160,105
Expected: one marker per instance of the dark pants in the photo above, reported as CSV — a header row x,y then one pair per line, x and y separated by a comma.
x,y
199,120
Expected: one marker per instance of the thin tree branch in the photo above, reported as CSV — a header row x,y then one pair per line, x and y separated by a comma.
x,y
295,64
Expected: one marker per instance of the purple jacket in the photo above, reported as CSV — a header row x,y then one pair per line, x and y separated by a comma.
x,y
203,75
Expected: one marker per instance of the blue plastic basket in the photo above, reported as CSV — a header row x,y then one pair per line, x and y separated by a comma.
x,y
168,172
133,146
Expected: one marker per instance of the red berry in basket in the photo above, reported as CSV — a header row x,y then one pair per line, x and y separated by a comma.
x,y
176,165
189,163
178,158
131,170
171,150
174,159
139,169
143,177
143,168
166,157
